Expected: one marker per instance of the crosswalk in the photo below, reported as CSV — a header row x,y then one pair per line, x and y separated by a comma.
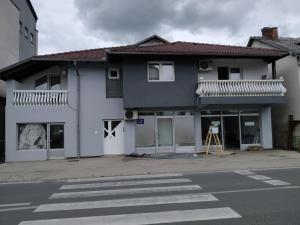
x,y
183,200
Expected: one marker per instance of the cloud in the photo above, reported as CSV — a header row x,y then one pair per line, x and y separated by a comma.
x,y
77,24
135,19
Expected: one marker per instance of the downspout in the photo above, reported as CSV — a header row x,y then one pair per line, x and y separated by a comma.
x,y
78,109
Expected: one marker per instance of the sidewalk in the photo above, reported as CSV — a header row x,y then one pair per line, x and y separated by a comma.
x,y
119,165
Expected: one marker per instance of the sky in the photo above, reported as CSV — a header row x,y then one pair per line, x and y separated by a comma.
x,y
67,25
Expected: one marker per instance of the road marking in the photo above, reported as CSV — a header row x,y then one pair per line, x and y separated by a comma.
x,y
260,177
156,200
277,182
252,190
18,208
15,204
125,191
21,182
145,218
124,177
124,183
244,172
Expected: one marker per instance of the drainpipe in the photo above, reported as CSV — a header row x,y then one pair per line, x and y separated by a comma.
x,y
78,109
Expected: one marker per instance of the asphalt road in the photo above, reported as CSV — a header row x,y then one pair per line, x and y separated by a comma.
x,y
266,197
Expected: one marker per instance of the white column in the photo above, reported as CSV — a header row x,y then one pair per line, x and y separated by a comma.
x,y
198,131
266,128
129,137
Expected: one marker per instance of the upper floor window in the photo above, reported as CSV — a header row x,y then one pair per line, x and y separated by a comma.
x,y
48,82
26,32
31,37
161,71
226,73
21,27
113,73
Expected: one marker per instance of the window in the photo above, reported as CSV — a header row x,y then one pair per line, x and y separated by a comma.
x,y
161,71
226,73
55,83
21,27
48,82
31,37
26,33
56,136
41,83
32,136
235,74
250,129
113,73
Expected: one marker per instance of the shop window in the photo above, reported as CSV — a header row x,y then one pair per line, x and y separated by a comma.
x,y
145,132
250,129
56,136
32,136
206,122
184,130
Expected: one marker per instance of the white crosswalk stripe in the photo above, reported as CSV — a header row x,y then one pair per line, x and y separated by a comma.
x,y
174,191
145,218
125,191
156,200
125,177
124,183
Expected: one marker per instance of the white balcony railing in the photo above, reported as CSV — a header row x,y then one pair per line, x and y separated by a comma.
x,y
223,88
40,98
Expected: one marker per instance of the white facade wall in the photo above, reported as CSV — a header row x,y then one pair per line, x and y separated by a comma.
x,y
251,69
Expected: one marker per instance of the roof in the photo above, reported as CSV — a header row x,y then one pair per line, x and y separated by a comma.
x,y
152,40
289,44
201,49
167,48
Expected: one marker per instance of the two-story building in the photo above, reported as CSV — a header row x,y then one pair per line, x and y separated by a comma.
x,y
150,97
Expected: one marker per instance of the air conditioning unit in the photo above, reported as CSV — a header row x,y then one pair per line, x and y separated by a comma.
x,y
205,65
131,115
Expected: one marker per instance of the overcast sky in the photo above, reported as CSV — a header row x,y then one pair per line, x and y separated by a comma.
x,y
66,25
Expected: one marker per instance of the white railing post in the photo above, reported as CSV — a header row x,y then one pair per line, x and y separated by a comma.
x,y
227,88
40,98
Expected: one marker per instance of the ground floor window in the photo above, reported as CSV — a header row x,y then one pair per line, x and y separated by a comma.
x,y
35,136
236,127
206,122
32,136
56,136
165,129
250,129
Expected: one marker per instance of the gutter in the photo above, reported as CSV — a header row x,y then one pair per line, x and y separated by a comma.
x,y
78,109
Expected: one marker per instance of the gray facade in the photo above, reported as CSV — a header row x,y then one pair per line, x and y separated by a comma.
x,y
76,108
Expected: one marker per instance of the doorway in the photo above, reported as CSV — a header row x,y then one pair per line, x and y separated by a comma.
x,y
165,134
231,129
113,143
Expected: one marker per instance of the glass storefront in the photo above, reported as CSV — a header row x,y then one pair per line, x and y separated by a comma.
x,y
250,130
165,129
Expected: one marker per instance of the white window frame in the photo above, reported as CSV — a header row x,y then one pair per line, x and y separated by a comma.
x,y
113,69
160,64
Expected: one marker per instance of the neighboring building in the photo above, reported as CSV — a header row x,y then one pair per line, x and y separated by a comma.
x,y
289,68
73,104
18,41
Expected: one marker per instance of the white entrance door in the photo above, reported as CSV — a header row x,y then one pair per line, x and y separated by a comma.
x,y
113,143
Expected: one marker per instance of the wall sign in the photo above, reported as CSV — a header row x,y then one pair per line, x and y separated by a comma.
x,y
249,124
140,121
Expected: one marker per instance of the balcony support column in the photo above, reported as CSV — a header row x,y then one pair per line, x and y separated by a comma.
x,y
274,75
266,128
198,131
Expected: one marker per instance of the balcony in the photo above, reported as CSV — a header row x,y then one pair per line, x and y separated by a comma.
x,y
241,91
40,98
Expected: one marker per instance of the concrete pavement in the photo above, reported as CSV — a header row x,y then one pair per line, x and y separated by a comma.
x,y
119,165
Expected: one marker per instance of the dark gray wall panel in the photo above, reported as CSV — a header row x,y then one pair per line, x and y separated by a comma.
x,y
139,93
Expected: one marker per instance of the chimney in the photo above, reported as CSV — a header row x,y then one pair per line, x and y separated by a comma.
x,y
270,33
